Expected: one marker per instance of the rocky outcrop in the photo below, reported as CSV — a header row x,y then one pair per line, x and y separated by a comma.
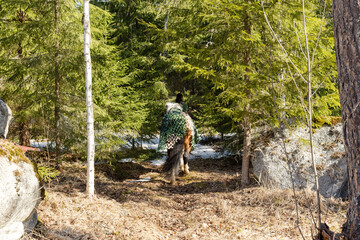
x,y
5,118
20,192
272,168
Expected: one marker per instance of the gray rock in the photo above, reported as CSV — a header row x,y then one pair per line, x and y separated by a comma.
x,y
5,118
274,170
20,191
29,224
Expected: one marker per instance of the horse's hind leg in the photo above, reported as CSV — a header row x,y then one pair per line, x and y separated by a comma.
x,y
171,170
187,148
172,177
182,169
186,160
172,164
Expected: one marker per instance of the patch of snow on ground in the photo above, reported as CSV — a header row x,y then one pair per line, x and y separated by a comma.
x,y
41,144
205,151
145,179
125,160
152,144
159,161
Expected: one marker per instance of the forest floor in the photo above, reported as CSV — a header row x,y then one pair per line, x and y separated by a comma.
x,y
209,203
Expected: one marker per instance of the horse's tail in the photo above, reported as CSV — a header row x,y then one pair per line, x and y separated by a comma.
x,y
173,160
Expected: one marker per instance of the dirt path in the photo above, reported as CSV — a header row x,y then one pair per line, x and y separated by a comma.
x,y
207,204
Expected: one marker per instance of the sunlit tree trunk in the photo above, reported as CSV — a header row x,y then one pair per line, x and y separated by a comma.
x,y
24,123
347,33
57,84
89,104
246,122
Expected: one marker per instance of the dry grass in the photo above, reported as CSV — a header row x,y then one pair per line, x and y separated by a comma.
x,y
207,204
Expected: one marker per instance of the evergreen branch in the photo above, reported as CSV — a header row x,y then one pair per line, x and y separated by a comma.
x,y
30,57
281,45
16,20
318,37
8,20
321,83
298,89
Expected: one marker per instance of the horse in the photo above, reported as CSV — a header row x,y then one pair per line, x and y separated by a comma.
x,y
178,135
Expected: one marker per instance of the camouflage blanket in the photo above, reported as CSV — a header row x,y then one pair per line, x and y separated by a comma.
x,y
174,126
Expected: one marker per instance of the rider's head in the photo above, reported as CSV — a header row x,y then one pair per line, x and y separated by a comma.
x,y
179,98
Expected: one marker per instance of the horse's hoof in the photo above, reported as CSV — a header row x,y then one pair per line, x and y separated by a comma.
x,y
186,169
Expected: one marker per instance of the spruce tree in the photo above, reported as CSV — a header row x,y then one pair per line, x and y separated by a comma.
x,y
140,65
40,53
228,44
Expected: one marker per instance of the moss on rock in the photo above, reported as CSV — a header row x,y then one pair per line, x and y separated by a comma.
x,y
12,152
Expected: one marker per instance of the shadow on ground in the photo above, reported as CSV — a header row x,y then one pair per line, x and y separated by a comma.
x,y
121,171
206,176
43,232
120,181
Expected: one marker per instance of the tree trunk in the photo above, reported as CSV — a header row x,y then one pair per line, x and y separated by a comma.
x,y
247,123
89,104
24,133
310,112
57,84
24,128
346,31
246,150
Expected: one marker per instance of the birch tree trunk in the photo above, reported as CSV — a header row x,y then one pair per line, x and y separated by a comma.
x,y
310,114
89,104
347,47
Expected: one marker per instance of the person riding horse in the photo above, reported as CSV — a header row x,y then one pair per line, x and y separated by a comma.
x,y
178,135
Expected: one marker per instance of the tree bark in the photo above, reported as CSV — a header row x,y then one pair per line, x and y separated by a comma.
x,y
24,128
57,84
347,40
89,104
24,133
246,123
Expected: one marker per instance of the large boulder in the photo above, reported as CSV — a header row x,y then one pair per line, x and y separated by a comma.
x,y
5,118
272,168
20,192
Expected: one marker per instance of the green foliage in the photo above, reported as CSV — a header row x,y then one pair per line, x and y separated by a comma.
x,y
141,69
210,43
27,57
136,154
47,173
219,53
